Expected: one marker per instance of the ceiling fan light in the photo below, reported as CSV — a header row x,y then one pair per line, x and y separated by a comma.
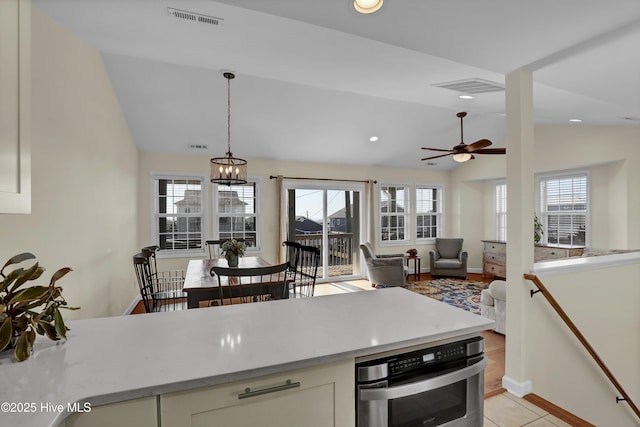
x,y
462,157
367,6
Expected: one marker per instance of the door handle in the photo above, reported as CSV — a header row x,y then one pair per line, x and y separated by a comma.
x,y
253,393
422,386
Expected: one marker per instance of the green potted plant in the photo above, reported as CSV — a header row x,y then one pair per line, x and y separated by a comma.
x,y
232,249
537,229
27,310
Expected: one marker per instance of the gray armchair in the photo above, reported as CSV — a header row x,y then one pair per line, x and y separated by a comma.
x,y
448,258
384,270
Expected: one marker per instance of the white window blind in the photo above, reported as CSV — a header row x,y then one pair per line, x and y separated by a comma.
x,y
237,213
428,212
178,214
565,208
394,221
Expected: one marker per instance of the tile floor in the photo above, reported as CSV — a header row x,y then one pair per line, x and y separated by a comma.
x,y
507,410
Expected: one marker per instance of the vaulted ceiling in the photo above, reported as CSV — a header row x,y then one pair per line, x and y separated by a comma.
x,y
315,79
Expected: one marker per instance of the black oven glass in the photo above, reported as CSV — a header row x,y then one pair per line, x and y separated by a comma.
x,y
430,408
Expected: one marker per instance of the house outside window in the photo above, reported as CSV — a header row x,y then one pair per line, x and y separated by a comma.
x,y
394,214
501,211
428,212
564,208
237,214
178,215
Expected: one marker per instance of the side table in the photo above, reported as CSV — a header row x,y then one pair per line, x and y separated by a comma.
x,y
416,265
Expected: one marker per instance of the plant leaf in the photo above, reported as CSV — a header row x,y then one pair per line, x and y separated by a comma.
x,y
18,259
30,294
59,274
61,329
10,278
25,275
6,330
49,329
23,349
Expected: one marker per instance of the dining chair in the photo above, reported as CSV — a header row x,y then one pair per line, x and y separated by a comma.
x,y
214,248
159,292
292,256
256,284
306,271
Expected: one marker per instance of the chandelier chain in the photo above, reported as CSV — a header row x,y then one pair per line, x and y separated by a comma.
x,y
229,114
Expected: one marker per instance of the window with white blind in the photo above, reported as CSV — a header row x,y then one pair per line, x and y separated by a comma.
x,y
178,215
394,213
237,213
501,210
564,208
428,212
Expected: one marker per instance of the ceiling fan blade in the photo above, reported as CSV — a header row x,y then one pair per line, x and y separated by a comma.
x,y
436,149
478,145
435,157
491,151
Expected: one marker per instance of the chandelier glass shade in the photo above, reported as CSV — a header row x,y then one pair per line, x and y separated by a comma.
x,y
367,6
228,170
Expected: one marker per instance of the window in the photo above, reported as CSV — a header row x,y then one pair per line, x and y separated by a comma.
x,y
394,220
178,214
564,208
501,211
428,212
237,213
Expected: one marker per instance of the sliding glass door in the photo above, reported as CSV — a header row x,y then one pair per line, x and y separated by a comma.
x,y
328,216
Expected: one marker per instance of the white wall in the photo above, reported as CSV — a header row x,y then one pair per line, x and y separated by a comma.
x,y
84,171
605,305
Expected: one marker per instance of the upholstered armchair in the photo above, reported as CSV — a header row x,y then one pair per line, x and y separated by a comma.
x,y
384,270
493,304
448,258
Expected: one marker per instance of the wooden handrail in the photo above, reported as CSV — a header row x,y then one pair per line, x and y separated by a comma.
x,y
582,339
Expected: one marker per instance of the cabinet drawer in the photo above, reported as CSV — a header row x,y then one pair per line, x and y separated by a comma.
x,y
495,248
318,397
494,269
542,253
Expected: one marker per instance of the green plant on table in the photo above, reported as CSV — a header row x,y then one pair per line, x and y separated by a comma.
x,y
233,247
27,310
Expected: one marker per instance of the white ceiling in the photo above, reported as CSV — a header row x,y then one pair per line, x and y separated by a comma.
x,y
315,79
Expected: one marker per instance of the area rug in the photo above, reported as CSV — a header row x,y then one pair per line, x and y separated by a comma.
x,y
460,293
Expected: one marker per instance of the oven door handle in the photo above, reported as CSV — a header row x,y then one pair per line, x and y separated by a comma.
x,y
422,386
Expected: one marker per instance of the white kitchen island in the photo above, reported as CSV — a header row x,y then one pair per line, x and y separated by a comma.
x,y
117,359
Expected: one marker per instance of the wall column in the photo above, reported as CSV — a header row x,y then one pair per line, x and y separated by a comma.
x,y
520,211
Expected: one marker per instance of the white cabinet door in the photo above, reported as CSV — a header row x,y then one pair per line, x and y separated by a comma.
x,y
130,413
315,397
15,84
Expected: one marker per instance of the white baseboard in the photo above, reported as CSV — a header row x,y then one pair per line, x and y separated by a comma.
x,y
132,306
516,388
474,270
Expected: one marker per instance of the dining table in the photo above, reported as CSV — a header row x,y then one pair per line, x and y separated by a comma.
x,y
200,285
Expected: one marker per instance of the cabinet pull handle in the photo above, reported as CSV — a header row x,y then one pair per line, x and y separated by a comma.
x,y
253,393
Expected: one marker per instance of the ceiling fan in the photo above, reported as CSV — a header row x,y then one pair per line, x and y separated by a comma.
x,y
463,152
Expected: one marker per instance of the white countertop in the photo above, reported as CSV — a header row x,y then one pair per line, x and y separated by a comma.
x,y
107,360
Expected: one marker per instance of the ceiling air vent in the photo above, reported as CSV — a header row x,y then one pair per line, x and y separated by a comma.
x,y
197,146
195,17
474,85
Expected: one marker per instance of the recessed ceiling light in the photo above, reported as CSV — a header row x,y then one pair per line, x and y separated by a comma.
x,y
373,139
575,120
466,97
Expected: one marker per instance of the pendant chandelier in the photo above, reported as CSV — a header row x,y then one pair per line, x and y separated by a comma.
x,y
228,170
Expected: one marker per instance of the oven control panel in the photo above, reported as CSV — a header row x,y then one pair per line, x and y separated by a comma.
x,y
443,353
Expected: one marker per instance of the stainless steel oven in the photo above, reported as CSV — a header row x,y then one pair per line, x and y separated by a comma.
x,y
434,386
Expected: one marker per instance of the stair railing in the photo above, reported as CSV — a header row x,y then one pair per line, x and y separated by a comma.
x,y
552,301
